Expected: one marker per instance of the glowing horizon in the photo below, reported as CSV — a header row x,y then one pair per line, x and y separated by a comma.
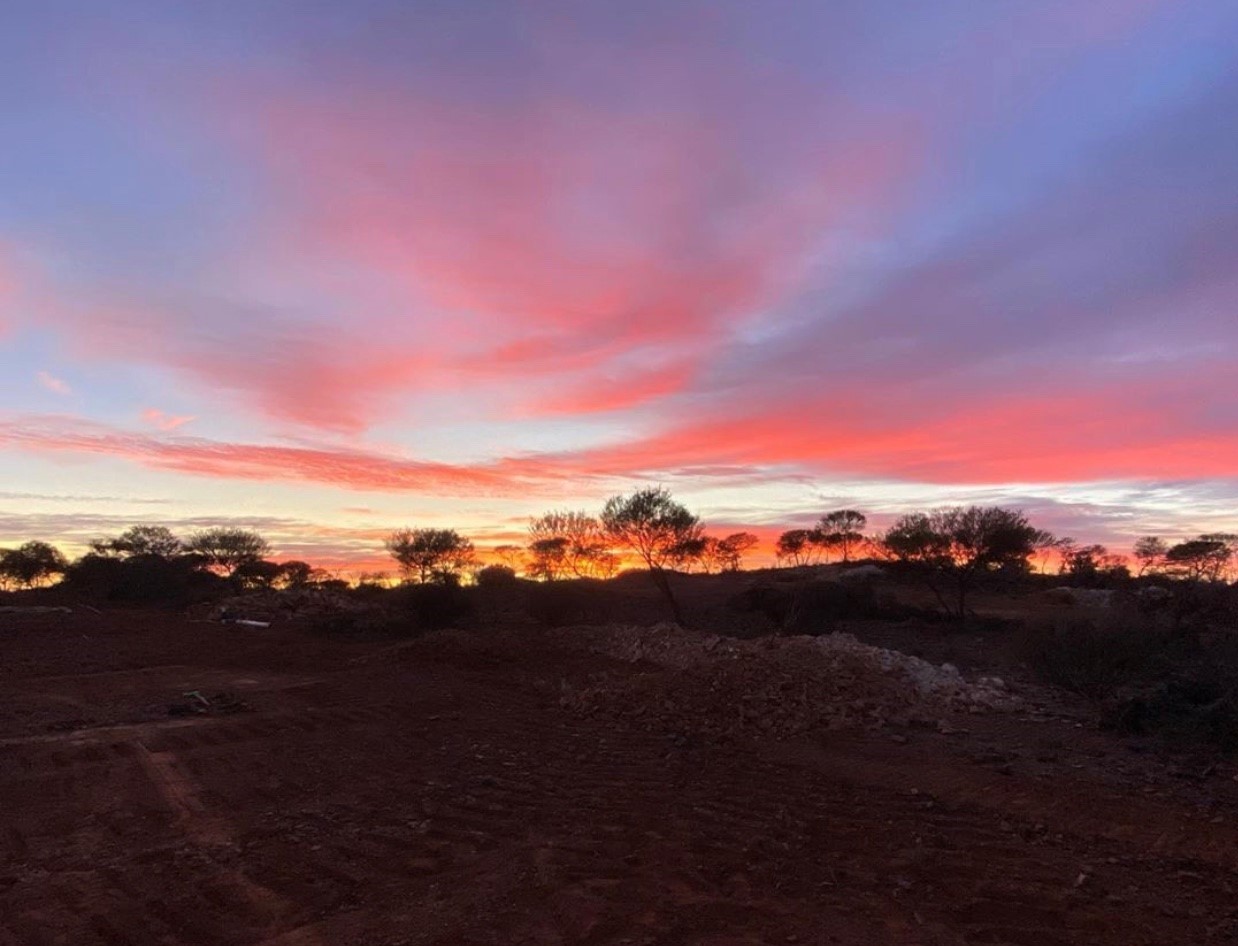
x,y
333,270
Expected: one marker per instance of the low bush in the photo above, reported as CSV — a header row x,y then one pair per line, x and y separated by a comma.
x,y
432,607
814,606
497,576
1096,658
1149,675
1197,701
400,612
560,603
144,579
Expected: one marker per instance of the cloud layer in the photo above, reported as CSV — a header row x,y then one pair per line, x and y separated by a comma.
x,y
471,251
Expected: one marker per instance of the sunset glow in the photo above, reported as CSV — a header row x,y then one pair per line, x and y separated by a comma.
x,y
329,269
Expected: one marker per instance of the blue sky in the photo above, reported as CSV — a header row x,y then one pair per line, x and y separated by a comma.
x,y
459,263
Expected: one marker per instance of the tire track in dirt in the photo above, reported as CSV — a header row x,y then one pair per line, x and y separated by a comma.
x,y
471,809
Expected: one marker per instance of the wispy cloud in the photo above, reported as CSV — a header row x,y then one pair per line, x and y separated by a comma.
x,y
51,383
347,468
934,244
157,418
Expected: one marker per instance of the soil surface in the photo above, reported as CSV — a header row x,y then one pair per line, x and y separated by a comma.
x,y
320,792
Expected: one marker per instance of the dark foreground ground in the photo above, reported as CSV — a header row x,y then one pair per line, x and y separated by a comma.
x,y
436,793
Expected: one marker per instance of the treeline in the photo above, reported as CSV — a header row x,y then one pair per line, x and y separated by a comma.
x,y
1207,557
151,562
648,526
953,548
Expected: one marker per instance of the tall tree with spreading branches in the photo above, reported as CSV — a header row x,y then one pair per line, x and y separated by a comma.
x,y
431,555
655,527
136,541
30,564
570,544
226,549
843,530
956,547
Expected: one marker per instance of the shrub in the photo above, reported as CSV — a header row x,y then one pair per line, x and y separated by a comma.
x,y
559,604
144,579
1146,674
432,607
811,607
1195,701
1096,658
497,576
816,605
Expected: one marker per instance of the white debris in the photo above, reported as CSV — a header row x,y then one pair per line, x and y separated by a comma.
x,y
1085,597
862,573
776,686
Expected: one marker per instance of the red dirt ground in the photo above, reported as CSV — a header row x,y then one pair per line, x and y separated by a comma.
x,y
437,793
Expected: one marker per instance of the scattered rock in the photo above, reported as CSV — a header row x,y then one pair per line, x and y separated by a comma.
x,y
773,687
261,607
1084,597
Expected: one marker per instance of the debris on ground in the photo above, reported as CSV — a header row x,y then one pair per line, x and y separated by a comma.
x,y
34,609
270,606
774,687
861,573
1084,597
194,703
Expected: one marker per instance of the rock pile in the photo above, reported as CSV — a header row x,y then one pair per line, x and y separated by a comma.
x,y
773,687
272,605
1084,597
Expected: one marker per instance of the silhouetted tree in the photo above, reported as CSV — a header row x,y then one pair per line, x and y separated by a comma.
x,y
256,573
730,551
957,546
495,576
694,551
424,555
1093,562
584,550
796,546
841,530
1044,546
140,540
30,564
652,524
226,549
1066,547
1206,558
296,574
1150,553
511,556
548,558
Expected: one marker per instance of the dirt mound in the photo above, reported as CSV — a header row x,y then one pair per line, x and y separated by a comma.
x,y
275,605
775,687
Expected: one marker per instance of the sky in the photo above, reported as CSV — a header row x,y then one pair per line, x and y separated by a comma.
x,y
329,269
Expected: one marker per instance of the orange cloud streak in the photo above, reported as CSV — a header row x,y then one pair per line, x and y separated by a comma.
x,y
349,469
1086,435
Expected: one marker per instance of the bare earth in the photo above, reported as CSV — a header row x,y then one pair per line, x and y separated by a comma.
x,y
445,792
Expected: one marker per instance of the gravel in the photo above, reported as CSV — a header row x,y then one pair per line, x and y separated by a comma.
x,y
777,687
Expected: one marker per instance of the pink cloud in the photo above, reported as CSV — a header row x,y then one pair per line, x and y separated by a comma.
x,y
51,383
616,391
1084,430
166,422
547,242
335,466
